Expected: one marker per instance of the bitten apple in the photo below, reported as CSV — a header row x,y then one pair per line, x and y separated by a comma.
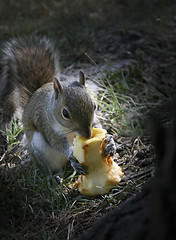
x,y
103,172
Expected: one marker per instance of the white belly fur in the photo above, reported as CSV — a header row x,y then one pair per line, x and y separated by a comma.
x,y
54,159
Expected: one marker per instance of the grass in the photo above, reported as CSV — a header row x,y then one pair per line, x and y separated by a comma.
x,y
31,206
36,208
13,135
125,99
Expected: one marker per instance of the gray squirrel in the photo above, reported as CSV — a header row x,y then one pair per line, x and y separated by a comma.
x,y
53,111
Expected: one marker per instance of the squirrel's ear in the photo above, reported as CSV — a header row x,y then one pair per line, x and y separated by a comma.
x,y
57,87
81,78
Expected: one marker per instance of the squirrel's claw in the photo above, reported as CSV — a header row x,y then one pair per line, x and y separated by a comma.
x,y
79,168
110,148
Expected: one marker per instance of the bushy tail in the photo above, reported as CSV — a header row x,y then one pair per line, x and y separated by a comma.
x,y
27,64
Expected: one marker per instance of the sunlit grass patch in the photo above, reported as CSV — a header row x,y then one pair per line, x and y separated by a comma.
x,y
125,98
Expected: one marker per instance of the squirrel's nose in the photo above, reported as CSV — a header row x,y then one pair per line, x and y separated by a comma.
x,y
87,133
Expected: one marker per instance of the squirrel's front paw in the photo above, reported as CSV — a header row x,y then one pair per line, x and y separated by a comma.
x,y
79,168
110,147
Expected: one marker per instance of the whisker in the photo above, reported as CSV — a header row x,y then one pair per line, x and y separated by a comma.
x,y
65,132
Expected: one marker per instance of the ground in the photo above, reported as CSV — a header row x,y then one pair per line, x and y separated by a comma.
x,y
129,50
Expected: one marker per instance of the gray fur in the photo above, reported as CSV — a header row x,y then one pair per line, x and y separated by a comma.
x,y
29,67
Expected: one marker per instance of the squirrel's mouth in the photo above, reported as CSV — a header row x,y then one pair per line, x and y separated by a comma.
x,y
85,134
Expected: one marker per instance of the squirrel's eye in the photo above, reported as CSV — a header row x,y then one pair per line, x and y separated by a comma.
x,y
65,113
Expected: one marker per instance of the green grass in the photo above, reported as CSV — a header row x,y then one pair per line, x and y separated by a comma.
x,y
33,209
29,197
37,208
13,134
125,100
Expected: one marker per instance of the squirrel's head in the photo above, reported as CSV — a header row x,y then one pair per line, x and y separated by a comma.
x,y
73,107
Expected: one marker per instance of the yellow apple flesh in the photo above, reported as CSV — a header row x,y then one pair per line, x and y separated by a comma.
x,y
103,172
